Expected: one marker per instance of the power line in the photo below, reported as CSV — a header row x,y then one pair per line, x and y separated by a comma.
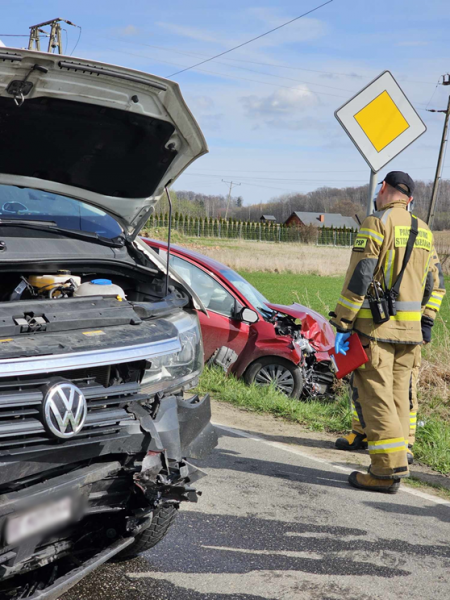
x,y
78,40
253,62
227,76
223,75
13,35
252,40
219,62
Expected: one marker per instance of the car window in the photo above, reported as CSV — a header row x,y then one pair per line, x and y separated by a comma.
x,y
211,293
251,294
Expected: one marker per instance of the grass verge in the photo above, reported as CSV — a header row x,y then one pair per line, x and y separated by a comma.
x,y
417,483
432,445
317,415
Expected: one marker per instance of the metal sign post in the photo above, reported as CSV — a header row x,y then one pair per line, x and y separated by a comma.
x,y
381,122
372,187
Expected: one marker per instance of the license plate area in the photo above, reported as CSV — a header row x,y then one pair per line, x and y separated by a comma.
x,y
38,520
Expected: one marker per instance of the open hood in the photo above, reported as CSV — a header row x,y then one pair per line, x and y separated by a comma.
x,y
109,136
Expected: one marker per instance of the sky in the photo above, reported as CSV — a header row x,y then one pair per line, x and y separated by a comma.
x,y
267,109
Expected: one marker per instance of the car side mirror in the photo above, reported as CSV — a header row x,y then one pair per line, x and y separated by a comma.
x,y
247,315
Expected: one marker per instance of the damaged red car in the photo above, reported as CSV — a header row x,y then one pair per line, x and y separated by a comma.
x,y
264,343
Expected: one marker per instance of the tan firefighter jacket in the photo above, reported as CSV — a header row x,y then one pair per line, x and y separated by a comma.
x,y
378,253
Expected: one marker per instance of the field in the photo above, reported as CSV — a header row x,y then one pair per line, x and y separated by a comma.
x,y
266,257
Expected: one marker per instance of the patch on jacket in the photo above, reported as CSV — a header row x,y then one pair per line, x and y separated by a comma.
x,y
424,238
360,244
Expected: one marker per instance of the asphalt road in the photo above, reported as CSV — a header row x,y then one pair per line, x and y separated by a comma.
x,y
273,523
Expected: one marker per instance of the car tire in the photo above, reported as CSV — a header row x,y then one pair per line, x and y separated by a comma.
x,y
162,519
265,370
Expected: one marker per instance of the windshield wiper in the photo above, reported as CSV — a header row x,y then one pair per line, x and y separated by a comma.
x,y
117,242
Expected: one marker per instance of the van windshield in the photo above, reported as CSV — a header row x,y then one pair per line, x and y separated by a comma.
x,y
25,204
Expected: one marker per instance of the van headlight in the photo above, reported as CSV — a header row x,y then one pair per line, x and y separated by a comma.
x,y
184,364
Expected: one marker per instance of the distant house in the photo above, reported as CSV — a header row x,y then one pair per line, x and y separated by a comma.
x,y
304,219
267,219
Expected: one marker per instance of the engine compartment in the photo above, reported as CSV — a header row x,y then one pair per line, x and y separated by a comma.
x,y
64,283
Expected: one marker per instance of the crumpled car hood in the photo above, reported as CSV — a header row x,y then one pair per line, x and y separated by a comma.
x,y
110,136
315,326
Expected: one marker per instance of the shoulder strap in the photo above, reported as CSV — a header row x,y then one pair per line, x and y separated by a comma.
x,y
395,289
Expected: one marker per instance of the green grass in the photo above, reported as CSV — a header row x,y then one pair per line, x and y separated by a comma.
x,y
317,415
432,445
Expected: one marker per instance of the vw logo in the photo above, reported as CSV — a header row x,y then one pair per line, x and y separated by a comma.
x,y
65,410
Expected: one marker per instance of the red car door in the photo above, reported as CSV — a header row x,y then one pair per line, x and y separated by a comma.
x,y
219,328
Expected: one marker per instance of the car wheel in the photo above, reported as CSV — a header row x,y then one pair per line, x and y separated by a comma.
x,y
162,519
272,370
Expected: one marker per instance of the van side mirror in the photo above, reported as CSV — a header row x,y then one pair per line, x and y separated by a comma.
x,y
247,315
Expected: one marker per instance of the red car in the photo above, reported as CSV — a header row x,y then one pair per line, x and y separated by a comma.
x,y
250,337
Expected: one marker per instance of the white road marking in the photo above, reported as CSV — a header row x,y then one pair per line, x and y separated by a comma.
x,y
293,450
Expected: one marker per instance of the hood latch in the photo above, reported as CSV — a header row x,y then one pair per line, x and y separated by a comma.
x,y
20,89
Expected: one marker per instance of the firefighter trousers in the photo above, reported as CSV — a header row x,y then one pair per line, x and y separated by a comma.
x,y
413,401
380,393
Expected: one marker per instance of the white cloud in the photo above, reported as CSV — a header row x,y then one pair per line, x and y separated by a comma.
x,y
282,102
129,30
201,35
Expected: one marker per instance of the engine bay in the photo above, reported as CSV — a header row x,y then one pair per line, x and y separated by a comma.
x,y
63,284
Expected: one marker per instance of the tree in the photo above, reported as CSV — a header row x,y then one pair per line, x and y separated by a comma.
x,y
239,202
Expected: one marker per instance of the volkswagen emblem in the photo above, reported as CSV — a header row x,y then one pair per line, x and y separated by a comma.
x,y
64,410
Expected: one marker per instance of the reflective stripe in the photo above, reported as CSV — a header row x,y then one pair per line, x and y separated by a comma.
x,y
385,216
398,440
400,316
402,306
436,297
433,304
355,306
370,233
355,415
387,446
388,273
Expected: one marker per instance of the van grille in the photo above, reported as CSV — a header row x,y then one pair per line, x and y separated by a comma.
x,y
21,427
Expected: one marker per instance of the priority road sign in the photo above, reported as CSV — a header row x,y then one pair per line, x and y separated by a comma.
x,y
380,121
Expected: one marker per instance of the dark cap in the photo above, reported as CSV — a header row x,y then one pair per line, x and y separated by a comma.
x,y
397,178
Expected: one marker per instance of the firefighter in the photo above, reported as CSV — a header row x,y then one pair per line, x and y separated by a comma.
x,y
381,301
357,440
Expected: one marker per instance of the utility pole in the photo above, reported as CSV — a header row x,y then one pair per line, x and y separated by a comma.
x,y
232,183
437,178
54,41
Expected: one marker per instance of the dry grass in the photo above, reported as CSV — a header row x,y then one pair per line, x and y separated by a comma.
x,y
442,243
268,257
442,238
279,258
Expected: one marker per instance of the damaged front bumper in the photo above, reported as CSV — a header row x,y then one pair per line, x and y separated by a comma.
x,y
126,491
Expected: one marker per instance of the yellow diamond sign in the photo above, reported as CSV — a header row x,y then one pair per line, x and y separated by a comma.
x,y
380,121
